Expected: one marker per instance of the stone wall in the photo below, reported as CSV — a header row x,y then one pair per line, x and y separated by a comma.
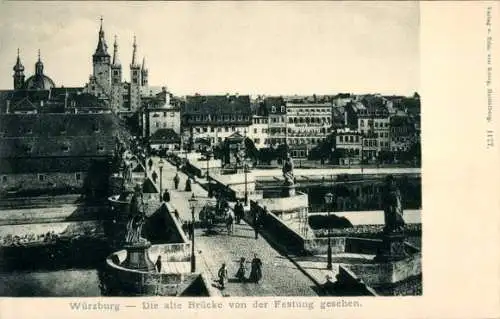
x,y
348,284
52,214
120,281
289,239
32,181
319,246
392,272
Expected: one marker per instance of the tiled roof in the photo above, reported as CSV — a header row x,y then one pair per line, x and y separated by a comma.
x,y
46,164
57,146
166,135
276,102
217,104
58,141
53,125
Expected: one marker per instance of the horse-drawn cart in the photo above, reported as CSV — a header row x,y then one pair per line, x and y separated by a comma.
x,y
214,215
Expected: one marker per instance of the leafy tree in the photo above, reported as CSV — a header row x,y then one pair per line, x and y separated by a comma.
x,y
267,155
251,151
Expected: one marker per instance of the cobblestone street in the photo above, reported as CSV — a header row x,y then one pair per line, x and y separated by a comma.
x,y
280,276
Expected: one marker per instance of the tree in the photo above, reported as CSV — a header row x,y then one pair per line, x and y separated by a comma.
x,y
267,155
251,151
385,156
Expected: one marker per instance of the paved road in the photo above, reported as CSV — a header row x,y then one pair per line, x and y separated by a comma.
x,y
335,171
280,276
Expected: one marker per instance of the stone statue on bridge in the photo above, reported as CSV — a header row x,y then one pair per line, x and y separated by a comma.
x,y
288,171
393,208
137,217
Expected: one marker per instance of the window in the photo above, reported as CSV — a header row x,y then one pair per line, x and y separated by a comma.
x,y
172,114
212,129
164,114
219,129
65,148
232,129
226,129
282,109
197,130
255,131
95,127
157,124
4,179
164,124
341,138
205,129
273,109
357,138
41,177
78,176
100,148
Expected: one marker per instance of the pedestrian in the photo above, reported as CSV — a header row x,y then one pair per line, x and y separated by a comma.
x,y
176,214
154,176
166,196
150,164
158,264
238,211
240,274
256,270
222,276
188,185
176,181
229,221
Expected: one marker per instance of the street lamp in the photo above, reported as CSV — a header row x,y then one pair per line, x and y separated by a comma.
x,y
329,202
192,205
160,166
245,166
209,188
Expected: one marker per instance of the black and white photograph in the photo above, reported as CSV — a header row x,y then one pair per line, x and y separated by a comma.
x,y
210,149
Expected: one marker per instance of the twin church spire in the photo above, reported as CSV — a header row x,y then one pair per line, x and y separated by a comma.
x,y
102,50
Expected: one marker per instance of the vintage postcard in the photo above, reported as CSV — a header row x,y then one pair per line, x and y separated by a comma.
x,y
245,158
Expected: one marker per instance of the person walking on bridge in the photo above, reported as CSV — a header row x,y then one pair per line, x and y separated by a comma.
x,y
176,181
166,196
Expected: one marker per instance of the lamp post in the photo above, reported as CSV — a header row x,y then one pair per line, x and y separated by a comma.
x,y
192,205
245,166
160,166
329,201
209,188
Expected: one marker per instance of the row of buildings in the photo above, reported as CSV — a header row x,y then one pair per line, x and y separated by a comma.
x,y
52,135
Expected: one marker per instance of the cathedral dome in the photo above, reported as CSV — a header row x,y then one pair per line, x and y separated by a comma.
x,y
39,82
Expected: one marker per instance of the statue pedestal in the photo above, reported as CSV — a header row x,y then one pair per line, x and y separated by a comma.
x,y
138,257
393,248
288,191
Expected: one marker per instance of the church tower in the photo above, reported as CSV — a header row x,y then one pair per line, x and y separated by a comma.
x,y
101,61
18,73
116,80
135,81
144,73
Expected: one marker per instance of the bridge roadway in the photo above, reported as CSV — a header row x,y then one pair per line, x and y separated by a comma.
x,y
280,276
318,172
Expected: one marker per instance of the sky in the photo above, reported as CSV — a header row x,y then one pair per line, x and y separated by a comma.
x,y
224,47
